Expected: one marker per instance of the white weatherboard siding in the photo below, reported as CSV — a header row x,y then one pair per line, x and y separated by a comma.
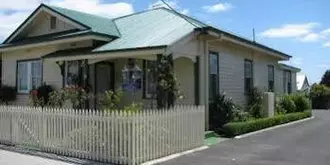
x,y
231,69
184,71
294,81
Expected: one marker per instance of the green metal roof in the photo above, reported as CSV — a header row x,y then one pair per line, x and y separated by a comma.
x,y
151,28
96,23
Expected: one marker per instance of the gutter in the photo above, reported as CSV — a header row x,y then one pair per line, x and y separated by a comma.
x,y
242,41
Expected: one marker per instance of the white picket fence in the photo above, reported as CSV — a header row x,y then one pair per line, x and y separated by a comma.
x,y
112,137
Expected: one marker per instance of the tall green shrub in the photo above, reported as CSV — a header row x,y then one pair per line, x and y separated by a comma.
x,y
221,111
254,106
287,104
301,102
320,96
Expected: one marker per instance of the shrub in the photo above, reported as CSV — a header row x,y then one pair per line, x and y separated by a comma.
x,y
301,102
221,111
7,94
238,128
40,96
288,104
254,106
110,100
75,94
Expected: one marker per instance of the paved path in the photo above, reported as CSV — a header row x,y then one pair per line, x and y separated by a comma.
x,y
306,143
8,158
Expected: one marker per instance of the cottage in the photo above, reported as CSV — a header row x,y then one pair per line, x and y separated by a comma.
x,y
61,47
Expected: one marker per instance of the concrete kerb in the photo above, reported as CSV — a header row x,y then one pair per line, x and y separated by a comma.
x,y
167,158
271,128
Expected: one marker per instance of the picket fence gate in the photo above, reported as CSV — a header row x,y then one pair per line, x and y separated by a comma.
x,y
113,137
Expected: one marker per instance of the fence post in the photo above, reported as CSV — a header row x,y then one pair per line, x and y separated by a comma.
x,y
133,142
12,127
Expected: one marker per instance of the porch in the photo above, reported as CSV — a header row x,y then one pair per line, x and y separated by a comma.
x,y
112,70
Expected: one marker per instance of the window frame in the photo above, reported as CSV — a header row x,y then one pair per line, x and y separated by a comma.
x,y
271,89
247,91
29,75
211,98
147,94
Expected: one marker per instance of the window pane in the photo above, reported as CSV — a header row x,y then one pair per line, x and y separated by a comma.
x,y
22,72
213,75
151,84
72,73
248,75
36,74
248,69
213,64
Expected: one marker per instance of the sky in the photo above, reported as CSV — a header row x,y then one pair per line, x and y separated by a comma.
x,y
300,28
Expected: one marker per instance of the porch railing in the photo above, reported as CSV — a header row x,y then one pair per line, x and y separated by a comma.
x,y
112,137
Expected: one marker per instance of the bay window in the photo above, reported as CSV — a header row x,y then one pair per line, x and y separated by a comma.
x,y
29,75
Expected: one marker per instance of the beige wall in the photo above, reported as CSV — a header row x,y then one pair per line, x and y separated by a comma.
x,y
41,26
51,72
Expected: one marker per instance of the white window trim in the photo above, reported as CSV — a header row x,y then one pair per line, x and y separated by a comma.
x,y
29,75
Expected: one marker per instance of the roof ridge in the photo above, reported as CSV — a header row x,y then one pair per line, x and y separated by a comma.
x,y
136,13
81,12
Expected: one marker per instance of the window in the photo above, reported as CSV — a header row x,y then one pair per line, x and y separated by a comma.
x,y
287,81
71,73
29,75
150,78
52,22
270,78
214,75
248,76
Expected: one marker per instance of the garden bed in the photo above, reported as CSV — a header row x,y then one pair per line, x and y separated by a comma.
x,y
237,128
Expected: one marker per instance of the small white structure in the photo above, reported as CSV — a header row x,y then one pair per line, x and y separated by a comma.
x,y
302,82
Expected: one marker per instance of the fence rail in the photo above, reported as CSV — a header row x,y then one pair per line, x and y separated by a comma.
x,y
112,137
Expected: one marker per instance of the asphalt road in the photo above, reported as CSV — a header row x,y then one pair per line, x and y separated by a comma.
x,y
306,143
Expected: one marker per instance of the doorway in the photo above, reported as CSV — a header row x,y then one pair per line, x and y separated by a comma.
x,y
104,79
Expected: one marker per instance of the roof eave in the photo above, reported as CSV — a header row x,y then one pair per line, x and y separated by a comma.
x,y
118,53
72,38
242,41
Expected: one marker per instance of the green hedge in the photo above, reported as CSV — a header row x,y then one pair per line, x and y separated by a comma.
x,y
238,128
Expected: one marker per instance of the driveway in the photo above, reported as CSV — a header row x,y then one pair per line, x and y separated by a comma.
x,y
306,143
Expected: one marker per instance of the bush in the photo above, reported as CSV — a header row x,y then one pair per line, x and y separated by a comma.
x,y
288,104
301,102
7,94
294,103
40,96
320,96
254,106
238,128
221,111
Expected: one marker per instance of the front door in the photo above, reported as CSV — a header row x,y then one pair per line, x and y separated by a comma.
x,y
104,78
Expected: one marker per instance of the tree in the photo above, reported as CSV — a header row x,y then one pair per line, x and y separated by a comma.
x,y
326,78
